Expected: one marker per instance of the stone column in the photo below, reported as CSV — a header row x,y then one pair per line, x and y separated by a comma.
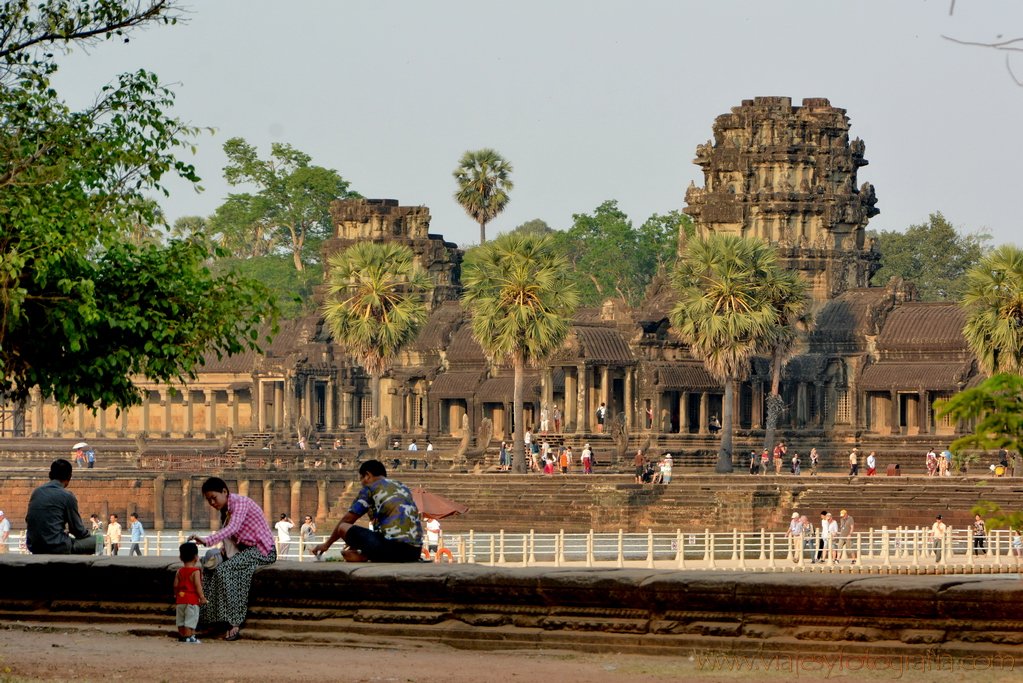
x,y
894,412
704,410
922,422
347,400
279,407
165,402
123,430
321,502
101,421
257,406
159,485
268,499
757,407
243,487
296,499
38,428
328,408
79,423
308,401
582,419
189,418
210,404
630,410
144,427
568,415
58,420
232,410
547,391
186,503
683,412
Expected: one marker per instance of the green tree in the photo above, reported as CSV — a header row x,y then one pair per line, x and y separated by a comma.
x,y
724,313
376,304
607,236
290,208
993,300
933,255
534,227
87,300
521,296
483,186
788,293
291,290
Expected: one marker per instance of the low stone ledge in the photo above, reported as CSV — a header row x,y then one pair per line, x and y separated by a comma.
x,y
474,606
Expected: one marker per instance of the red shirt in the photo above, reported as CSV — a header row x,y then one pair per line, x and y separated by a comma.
x,y
186,594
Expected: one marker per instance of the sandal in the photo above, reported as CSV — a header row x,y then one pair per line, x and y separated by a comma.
x,y
233,634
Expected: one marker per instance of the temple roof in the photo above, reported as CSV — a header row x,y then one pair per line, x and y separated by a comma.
x,y
924,326
889,376
602,344
435,333
455,384
500,389
685,375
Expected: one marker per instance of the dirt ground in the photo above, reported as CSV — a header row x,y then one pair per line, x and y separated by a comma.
x,y
111,653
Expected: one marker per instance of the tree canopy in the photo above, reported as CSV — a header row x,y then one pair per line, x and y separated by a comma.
x,y
934,256
483,178
607,236
993,300
289,213
87,299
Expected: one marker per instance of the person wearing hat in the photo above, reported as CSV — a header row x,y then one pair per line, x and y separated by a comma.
x,y
845,532
587,459
78,451
51,510
5,532
795,536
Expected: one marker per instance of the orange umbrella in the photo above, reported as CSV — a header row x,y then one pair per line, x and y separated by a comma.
x,y
435,505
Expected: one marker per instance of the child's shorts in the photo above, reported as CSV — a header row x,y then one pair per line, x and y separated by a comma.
x,y
187,616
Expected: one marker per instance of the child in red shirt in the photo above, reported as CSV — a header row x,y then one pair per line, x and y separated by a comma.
x,y
188,594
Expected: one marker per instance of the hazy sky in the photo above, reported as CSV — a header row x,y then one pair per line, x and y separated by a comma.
x,y
589,100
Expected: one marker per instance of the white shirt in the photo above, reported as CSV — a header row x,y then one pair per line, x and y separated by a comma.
x,y
283,527
432,531
5,528
871,461
413,447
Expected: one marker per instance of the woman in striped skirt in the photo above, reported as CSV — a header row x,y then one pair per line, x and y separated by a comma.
x,y
248,545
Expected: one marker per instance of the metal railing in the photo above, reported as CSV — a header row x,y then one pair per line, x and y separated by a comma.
x,y
884,547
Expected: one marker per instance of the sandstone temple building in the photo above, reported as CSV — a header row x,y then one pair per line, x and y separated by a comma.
x,y
874,364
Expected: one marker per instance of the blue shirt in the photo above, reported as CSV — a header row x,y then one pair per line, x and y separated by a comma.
x,y
391,510
136,531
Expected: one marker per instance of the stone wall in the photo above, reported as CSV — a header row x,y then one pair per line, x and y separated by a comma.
x,y
598,610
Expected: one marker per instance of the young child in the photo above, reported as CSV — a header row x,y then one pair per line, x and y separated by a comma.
x,y
188,594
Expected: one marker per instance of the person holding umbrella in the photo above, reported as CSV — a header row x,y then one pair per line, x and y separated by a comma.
x,y
397,534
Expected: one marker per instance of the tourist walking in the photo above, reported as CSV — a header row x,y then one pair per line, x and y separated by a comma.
x,y
137,534
587,459
601,417
979,536
765,461
854,465
795,536
248,545
639,463
931,462
815,460
795,463
846,526
872,464
545,419
779,457
283,527
5,532
754,462
114,534
937,537
307,530
557,419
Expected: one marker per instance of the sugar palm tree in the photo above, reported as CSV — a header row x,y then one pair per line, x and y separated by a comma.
x,y
375,304
483,186
520,294
787,291
723,313
993,300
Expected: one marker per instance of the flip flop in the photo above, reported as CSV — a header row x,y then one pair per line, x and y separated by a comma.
x,y
234,634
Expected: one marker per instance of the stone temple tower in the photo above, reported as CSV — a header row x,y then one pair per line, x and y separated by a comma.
x,y
787,174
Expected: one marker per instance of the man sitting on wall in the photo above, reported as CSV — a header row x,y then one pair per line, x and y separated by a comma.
x,y
397,534
51,510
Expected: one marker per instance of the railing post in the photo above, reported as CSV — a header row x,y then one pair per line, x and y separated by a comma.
x,y
532,547
708,548
680,555
770,555
650,548
763,542
870,543
492,549
525,550
918,541
970,548
159,543
472,546
621,550
886,549
462,557
735,544
559,550
589,548
741,538
500,556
